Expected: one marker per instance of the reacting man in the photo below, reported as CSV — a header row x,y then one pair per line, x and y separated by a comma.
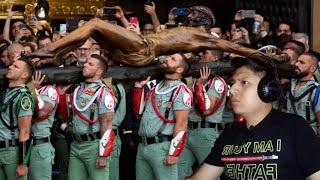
x,y
164,121
303,92
15,114
268,144
94,105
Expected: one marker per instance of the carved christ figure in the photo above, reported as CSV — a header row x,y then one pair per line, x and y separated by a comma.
x,y
132,49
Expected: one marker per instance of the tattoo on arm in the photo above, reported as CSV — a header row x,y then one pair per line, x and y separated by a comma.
x,y
45,110
106,121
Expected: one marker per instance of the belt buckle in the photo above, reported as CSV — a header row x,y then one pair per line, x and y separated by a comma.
x,y
78,138
144,141
190,125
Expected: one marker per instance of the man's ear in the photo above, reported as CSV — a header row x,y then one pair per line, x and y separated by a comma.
x,y
99,72
25,75
180,70
313,68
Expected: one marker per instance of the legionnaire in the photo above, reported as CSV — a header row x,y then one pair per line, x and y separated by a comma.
x,y
120,113
164,121
42,154
16,110
205,120
303,92
93,104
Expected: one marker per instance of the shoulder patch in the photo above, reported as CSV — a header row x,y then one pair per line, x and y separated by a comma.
x,y
219,86
109,102
26,103
187,99
52,93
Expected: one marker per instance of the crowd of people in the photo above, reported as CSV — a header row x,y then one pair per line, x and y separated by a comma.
x,y
250,125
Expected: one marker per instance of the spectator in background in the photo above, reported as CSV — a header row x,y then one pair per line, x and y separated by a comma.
x,y
304,38
211,55
10,33
4,59
44,41
151,10
148,29
285,27
294,49
238,31
4,42
14,52
83,53
216,30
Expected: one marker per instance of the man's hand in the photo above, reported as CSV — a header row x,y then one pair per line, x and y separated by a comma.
x,y
38,78
99,13
81,22
62,89
10,12
204,75
238,16
151,10
259,18
161,28
141,83
170,160
101,162
134,27
37,24
119,12
171,16
21,170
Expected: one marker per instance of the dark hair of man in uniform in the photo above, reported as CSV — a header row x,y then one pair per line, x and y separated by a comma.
x,y
313,57
299,49
103,63
29,67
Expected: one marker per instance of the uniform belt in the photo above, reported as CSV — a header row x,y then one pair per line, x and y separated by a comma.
x,y
86,137
10,144
40,141
156,139
204,124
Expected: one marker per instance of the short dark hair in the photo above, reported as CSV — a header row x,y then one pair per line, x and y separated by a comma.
x,y
29,66
102,61
256,65
299,49
3,41
290,24
313,58
41,38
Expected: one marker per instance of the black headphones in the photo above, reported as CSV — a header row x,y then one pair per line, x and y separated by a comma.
x,y
269,88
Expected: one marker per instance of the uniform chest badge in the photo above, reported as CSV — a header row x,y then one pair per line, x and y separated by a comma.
x,y
25,103
89,92
93,106
159,104
83,102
